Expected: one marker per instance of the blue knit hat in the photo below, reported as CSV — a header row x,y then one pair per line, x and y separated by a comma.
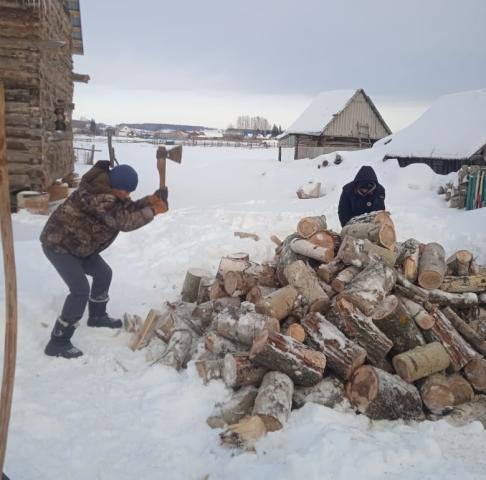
x,y
123,177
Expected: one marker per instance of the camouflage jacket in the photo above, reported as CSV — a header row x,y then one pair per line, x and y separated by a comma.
x,y
92,216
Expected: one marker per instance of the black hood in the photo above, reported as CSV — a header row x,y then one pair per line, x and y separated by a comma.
x,y
365,175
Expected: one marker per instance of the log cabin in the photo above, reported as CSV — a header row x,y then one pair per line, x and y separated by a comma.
x,y
335,120
38,39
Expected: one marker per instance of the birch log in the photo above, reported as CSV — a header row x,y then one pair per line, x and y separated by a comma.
x,y
466,331
408,258
285,256
178,350
220,346
343,355
432,266
344,277
329,392
209,369
238,371
358,252
256,294
278,352
379,233
233,410
459,263
274,400
327,271
327,239
421,317
382,396
468,283
278,304
308,249
296,331
309,226
191,284
475,372
236,262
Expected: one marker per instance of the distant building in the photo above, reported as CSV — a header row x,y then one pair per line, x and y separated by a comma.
x,y
335,120
123,131
37,41
450,133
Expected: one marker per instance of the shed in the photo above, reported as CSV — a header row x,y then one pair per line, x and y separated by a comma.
x,y
451,133
37,41
335,120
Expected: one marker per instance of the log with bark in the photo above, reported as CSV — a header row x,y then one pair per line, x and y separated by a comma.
x,y
475,372
204,312
258,292
344,277
358,252
307,249
220,346
309,226
380,216
209,369
296,331
327,271
421,317
466,413
244,434
394,320
408,258
382,396
380,233
441,393
421,361
145,333
329,392
432,266
467,283
217,290
203,293
278,304
281,353
361,329
234,409
285,256
370,287
236,262
178,350
459,263
238,284
327,239
305,281
274,400
343,355
238,371
190,288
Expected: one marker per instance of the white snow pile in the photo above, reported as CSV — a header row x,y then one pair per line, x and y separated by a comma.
x,y
453,127
110,416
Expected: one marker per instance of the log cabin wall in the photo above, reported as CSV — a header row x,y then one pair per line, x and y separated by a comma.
x,y
37,73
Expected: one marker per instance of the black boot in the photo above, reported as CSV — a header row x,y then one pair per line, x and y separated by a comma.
x,y
60,343
98,316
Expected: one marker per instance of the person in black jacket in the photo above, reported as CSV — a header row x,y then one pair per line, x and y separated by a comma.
x,y
364,194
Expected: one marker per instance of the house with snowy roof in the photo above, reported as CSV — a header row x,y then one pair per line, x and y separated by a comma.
x,y
335,120
451,133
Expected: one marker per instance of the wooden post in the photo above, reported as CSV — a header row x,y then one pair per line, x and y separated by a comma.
x,y
10,351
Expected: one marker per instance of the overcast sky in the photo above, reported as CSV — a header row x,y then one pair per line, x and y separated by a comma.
x,y
206,62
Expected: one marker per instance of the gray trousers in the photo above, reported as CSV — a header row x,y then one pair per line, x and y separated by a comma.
x,y
73,270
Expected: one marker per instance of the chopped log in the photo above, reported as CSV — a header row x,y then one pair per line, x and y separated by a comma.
x,y
408,258
465,330
236,262
393,319
143,336
192,281
329,392
305,281
178,350
358,252
132,323
475,372
296,331
343,355
432,266
343,278
239,370
482,298
370,287
278,304
179,317
204,290
441,393
204,312
276,240
280,353
460,352
243,328
361,329
222,303
244,434
209,369
238,284
256,294
330,292
421,361
327,271
285,256
440,297
327,239
382,396
217,290
421,317
459,263
310,190
308,249
468,283
309,226
379,233
220,346
253,236
233,410
466,413
274,400
380,216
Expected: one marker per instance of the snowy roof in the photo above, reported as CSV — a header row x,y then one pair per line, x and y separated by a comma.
x,y
320,112
453,127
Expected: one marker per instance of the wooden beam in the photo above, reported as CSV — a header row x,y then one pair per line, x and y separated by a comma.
x,y
24,43
10,351
81,77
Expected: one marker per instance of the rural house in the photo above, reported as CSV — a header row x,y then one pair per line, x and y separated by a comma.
x,y
335,120
452,132
37,41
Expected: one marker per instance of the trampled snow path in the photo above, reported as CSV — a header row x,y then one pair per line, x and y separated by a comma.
x,y
110,416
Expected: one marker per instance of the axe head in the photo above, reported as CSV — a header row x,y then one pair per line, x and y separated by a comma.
x,y
174,154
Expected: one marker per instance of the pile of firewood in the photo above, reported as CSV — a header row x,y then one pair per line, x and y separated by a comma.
x,y
396,330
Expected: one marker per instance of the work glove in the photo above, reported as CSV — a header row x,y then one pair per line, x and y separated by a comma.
x,y
163,194
157,204
103,164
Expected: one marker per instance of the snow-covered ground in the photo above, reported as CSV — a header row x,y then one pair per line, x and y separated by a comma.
x,y
108,415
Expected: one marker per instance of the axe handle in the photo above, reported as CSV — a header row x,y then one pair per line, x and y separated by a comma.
x,y
161,163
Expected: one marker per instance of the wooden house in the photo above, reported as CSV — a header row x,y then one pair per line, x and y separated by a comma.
x,y
335,120
37,41
451,133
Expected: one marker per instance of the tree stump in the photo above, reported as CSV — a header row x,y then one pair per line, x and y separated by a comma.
x,y
239,371
382,396
432,266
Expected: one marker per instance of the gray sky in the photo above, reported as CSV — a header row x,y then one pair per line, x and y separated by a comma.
x,y
206,62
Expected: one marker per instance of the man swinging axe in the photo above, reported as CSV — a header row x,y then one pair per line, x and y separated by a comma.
x,y
83,226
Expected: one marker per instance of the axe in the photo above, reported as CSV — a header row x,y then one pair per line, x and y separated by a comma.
x,y
174,154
